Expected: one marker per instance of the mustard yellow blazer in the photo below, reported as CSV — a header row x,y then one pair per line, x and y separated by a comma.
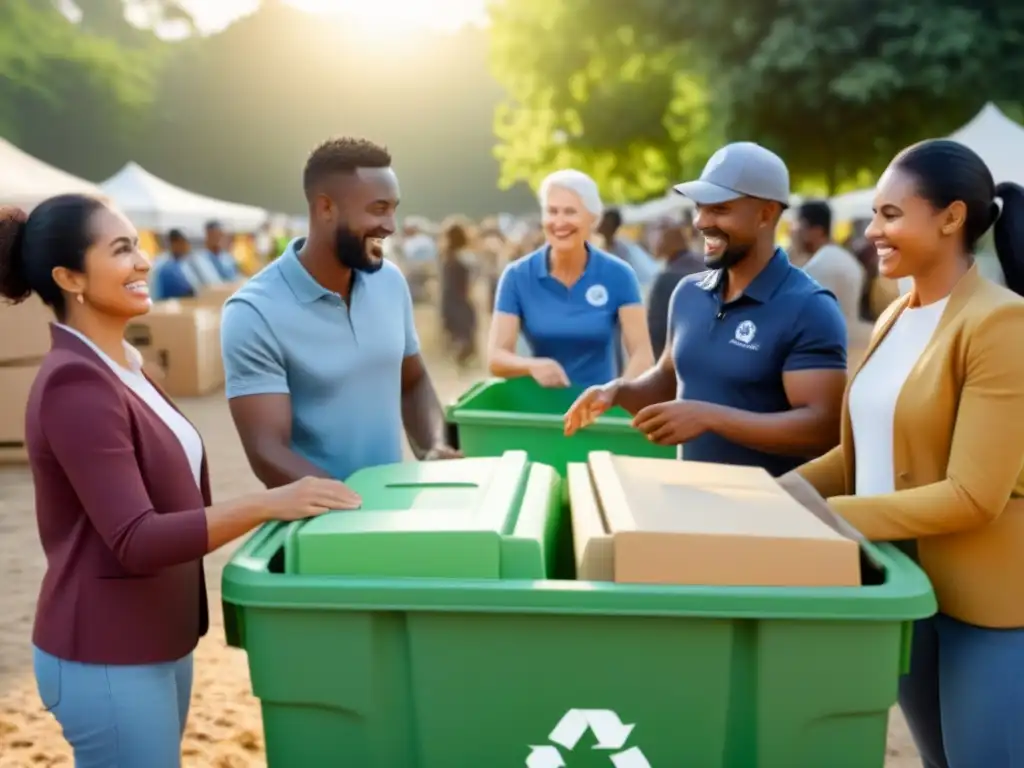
x,y
958,456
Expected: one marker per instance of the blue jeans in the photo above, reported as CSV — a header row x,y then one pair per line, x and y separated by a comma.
x,y
964,696
114,716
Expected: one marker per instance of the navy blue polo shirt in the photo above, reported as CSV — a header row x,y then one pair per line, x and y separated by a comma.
x,y
734,354
574,326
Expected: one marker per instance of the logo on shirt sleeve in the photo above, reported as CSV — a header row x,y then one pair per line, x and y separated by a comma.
x,y
597,295
744,336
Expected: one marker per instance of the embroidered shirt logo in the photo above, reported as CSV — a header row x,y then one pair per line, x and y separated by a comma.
x,y
597,295
744,336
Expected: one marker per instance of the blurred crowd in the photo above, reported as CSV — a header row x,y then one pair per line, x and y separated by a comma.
x,y
455,265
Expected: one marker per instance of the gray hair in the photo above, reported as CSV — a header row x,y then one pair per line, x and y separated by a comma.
x,y
577,182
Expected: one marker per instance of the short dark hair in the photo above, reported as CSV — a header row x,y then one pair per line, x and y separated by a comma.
x,y
213,224
56,234
947,171
344,155
816,213
176,236
612,218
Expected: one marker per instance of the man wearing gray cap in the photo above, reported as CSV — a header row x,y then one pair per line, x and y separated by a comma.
x,y
760,346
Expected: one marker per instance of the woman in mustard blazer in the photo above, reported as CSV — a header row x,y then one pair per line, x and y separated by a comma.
x,y
932,447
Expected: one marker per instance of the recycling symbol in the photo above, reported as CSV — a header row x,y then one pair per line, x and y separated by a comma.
x,y
611,734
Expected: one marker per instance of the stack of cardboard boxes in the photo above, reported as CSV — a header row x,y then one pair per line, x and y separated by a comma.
x,y
24,340
179,340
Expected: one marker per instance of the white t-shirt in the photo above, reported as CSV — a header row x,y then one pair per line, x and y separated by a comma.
x,y
135,380
875,390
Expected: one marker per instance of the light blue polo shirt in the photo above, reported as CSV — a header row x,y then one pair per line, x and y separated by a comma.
x,y
574,326
284,333
735,353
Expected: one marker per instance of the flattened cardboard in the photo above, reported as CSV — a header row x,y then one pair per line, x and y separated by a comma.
x,y
660,521
24,330
180,342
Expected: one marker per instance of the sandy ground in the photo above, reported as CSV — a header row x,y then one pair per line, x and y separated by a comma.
x,y
224,727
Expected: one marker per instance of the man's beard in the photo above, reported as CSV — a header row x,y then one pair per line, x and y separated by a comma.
x,y
354,251
730,257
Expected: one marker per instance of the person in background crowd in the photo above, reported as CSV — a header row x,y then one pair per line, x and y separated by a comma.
x,y
419,256
569,298
643,264
320,349
173,276
674,249
493,245
458,314
204,262
122,495
834,268
932,450
755,365
218,252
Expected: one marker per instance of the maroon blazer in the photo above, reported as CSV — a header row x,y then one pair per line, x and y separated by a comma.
x,y
121,520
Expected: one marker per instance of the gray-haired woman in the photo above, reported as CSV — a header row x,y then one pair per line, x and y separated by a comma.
x,y
569,298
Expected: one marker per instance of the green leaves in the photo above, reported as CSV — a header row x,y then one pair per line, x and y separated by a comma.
x,y
835,87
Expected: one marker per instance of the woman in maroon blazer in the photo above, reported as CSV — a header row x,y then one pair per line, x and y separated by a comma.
x,y
122,495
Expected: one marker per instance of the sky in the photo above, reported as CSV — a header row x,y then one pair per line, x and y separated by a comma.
x,y
397,16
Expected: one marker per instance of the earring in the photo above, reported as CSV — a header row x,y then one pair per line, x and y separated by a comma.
x,y
80,298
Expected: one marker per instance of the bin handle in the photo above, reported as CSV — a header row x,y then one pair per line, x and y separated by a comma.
x,y
473,391
254,555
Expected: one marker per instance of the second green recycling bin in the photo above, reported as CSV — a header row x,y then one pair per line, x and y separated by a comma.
x,y
519,414
421,632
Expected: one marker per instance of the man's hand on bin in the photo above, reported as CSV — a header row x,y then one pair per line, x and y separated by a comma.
x,y
548,373
442,452
589,406
674,422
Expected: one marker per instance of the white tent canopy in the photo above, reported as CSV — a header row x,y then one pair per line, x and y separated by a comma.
x,y
997,139
26,181
154,204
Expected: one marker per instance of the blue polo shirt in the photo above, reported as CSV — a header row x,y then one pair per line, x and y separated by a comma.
x,y
574,326
284,333
734,354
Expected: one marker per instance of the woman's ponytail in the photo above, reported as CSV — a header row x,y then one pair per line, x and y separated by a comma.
x,y
1008,233
13,281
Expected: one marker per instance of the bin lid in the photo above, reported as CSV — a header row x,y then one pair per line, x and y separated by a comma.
x,y
443,519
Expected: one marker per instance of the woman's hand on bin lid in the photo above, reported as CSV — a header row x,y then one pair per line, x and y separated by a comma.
x,y
591,405
309,497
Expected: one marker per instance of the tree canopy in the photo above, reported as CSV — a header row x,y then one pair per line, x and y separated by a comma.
x,y
641,92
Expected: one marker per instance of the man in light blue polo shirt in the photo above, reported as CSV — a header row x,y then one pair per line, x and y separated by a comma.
x,y
320,349
754,368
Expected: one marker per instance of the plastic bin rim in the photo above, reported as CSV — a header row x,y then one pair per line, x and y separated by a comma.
x,y
462,416
246,582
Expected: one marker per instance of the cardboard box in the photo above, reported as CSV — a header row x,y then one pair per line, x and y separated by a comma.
x,y
216,295
24,330
661,521
15,384
180,342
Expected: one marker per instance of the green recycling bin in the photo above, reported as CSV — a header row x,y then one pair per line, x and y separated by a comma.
x,y
358,660
518,414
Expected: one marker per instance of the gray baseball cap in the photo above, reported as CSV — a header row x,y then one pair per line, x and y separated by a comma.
x,y
742,169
